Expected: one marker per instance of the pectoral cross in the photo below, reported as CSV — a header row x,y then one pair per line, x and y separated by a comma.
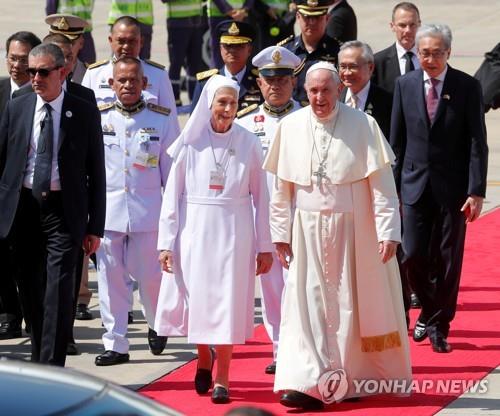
x,y
320,174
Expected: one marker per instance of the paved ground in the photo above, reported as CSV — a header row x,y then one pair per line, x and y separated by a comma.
x,y
474,25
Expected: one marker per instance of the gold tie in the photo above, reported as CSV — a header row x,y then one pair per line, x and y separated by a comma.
x,y
354,101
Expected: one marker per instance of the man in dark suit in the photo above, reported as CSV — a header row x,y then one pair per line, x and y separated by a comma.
x,y
355,70
400,57
18,47
342,24
235,42
85,94
52,196
439,137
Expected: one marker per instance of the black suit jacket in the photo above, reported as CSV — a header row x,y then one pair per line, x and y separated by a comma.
x,y
378,105
80,160
451,154
342,24
386,68
4,93
80,91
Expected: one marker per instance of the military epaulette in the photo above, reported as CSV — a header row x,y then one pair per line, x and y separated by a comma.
x,y
247,110
153,63
98,64
200,76
255,72
105,106
304,103
159,109
286,40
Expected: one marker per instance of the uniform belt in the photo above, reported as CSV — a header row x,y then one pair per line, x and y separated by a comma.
x,y
204,200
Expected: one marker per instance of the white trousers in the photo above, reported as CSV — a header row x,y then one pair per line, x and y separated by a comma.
x,y
122,257
272,285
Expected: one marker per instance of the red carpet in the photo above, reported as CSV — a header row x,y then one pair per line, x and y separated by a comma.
x,y
474,338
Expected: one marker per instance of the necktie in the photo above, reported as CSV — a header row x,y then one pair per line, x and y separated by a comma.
x,y
409,63
432,99
43,160
354,101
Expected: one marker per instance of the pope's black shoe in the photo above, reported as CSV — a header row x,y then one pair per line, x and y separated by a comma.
x,y
419,332
297,399
156,342
220,395
111,358
271,368
203,377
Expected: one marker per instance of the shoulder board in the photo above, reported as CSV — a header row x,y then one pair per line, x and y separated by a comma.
x,y
153,63
159,109
255,72
98,64
105,106
286,40
247,110
304,103
200,76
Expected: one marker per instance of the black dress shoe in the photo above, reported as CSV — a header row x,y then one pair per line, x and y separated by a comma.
x,y
83,313
271,368
419,332
156,342
9,330
111,358
439,343
414,302
203,377
220,395
71,348
130,317
300,400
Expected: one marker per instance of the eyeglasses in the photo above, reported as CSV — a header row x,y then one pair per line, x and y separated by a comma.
x,y
435,54
20,60
43,72
350,67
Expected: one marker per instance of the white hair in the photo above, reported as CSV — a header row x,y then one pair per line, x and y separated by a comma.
x,y
435,31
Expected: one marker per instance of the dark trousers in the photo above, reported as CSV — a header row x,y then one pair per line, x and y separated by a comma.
x,y
10,307
46,255
433,242
184,49
146,38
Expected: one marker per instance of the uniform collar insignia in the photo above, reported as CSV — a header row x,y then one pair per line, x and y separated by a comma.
x,y
128,111
278,111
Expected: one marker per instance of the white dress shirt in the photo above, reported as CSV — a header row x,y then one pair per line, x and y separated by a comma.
x,y
402,60
239,76
14,87
439,86
362,96
55,184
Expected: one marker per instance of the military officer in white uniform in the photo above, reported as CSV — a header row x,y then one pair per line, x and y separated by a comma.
x,y
276,82
125,40
136,135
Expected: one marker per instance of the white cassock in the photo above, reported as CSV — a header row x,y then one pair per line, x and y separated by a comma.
x,y
264,124
210,296
158,90
137,168
343,307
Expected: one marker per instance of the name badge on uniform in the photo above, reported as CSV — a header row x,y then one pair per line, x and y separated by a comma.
x,y
265,142
145,157
217,179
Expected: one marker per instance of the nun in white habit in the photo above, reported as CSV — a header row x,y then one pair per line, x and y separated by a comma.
x,y
212,244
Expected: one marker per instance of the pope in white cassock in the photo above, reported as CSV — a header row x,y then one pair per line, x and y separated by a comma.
x,y
210,238
335,222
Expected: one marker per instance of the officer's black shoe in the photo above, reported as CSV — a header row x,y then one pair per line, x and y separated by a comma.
x,y
419,332
414,301
271,368
297,399
156,343
111,358
220,395
9,330
130,317
83,313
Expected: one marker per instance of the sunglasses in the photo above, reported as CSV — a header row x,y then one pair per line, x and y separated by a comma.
x,y
43,72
